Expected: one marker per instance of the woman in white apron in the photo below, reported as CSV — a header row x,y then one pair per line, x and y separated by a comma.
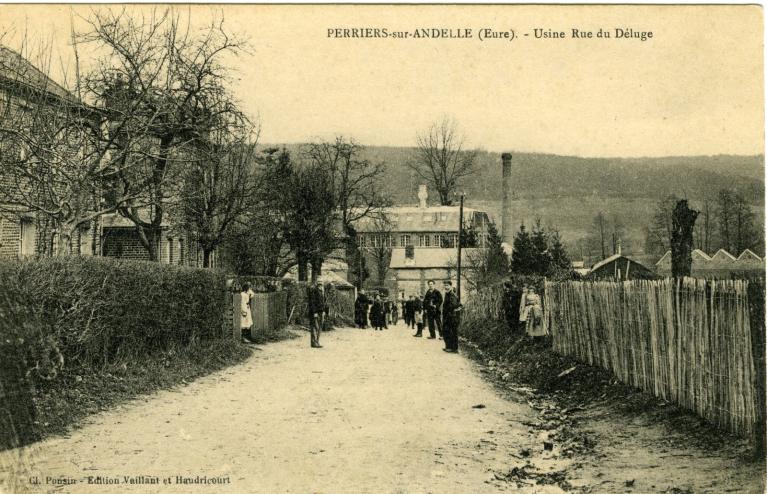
x,y
533,314
246,321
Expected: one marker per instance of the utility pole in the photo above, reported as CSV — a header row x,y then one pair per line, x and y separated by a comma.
x,y
460,242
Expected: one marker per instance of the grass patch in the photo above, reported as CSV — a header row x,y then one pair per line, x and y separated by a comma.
x,y
277,334
516,360
78,392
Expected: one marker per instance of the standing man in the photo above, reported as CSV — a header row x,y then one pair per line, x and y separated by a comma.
x,y
451,318
409,311
316,305
432,304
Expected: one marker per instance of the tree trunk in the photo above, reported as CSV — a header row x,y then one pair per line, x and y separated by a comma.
x,y
316,268
302,264
683,223
64,241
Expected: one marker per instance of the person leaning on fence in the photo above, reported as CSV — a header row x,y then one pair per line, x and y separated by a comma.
x,y
315,298
246,319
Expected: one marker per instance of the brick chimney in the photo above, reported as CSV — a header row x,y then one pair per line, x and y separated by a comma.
x,y
507,229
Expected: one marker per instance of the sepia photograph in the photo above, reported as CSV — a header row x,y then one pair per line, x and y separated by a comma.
x,y
350,248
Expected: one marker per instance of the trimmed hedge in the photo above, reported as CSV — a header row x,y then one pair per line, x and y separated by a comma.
x,y
88,313
98,309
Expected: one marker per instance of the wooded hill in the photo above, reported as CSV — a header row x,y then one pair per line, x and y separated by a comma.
x,y
567,191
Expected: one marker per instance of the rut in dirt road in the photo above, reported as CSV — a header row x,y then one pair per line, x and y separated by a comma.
x,y
370,412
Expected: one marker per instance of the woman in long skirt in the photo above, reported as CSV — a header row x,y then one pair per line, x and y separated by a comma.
x,y
246,320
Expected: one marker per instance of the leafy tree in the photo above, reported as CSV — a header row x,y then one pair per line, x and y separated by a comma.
x,y
541,252
523,256
469,237
490,264
302,201
560,263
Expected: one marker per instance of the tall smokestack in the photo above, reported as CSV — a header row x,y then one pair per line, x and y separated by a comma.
x,y
507,229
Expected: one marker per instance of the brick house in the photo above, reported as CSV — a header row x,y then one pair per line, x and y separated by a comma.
x,y
22,87
120,240
22,233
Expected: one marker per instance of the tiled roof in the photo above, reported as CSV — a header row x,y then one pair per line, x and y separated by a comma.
x,y
722,260
748,255
429,258
417,219
723,255
17,69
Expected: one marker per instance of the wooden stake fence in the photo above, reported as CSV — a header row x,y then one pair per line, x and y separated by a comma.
x,y
687,341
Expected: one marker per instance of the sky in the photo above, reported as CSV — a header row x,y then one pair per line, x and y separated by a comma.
x,y
695,88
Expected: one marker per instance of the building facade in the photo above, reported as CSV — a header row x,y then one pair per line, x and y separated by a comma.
x,y
721,265
421,243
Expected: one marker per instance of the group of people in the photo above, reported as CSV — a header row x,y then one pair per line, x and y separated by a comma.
x,y
377,311
441,315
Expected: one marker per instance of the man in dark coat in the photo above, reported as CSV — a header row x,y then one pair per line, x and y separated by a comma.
x,y
418,316
451,318
317,308
361,310
409,312
378,314
432,305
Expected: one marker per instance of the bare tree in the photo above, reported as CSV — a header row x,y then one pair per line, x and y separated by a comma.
x,y
658,232
356,182
736,222
380,247
441,160
219,183
54,155
159,85
704,230
599,233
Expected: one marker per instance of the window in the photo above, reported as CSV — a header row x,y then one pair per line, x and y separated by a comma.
x,y
404,240
437,240
180,251
85,244
27,237
170,250
362,240
443,216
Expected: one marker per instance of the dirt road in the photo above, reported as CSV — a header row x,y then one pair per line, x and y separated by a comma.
x,y
372,412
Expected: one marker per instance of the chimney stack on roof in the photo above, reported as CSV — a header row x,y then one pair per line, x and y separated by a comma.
x,y
423,195
507,229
